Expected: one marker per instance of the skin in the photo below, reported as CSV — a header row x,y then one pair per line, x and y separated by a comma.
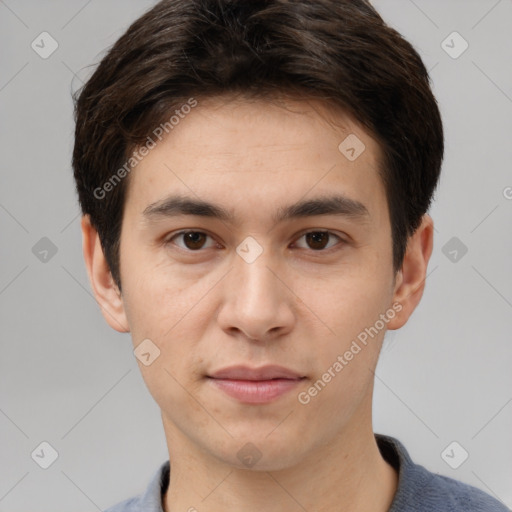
x,y
206,308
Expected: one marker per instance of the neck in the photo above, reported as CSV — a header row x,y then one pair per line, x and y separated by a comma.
x,y
347,474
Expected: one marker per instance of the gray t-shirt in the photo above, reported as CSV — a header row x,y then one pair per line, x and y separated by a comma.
x,y
418,490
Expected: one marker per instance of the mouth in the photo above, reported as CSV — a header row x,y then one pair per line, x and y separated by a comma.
x,y
268,372
255,385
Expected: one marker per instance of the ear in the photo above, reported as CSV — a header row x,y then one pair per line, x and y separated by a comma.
x,y
410,279
105,290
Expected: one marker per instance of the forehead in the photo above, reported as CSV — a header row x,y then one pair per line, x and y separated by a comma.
x,y
253,153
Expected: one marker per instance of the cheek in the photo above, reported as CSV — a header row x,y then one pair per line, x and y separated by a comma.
x,y
172,311
155,294
347,325
161,310
344,361
347,301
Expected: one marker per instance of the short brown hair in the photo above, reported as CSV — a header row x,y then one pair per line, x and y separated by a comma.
x,y
339,51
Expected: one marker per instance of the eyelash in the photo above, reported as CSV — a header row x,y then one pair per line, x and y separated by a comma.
x,y
169,240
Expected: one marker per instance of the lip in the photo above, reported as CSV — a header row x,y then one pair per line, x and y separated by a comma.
x,y
255,385
267,372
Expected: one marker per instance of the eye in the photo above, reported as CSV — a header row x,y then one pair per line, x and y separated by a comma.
x,y
192,240
318,240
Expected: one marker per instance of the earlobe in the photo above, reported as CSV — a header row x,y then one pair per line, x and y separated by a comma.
x,y
105,290
410,281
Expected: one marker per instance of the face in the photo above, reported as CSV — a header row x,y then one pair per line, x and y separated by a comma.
x,y
262,284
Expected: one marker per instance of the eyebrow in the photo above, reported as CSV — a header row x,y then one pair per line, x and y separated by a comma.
x,y
326,205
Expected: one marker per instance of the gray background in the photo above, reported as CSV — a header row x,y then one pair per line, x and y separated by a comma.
x,y
68,379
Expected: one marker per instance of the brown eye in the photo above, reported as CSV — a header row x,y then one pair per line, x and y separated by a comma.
x,y
318,240
192,240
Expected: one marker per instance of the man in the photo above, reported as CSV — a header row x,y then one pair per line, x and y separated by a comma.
x,y
254,179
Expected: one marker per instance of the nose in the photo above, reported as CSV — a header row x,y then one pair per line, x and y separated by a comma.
x,y
257,302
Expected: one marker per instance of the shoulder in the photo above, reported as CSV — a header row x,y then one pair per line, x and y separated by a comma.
x,y
151,499
129,505
442,493
420,490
